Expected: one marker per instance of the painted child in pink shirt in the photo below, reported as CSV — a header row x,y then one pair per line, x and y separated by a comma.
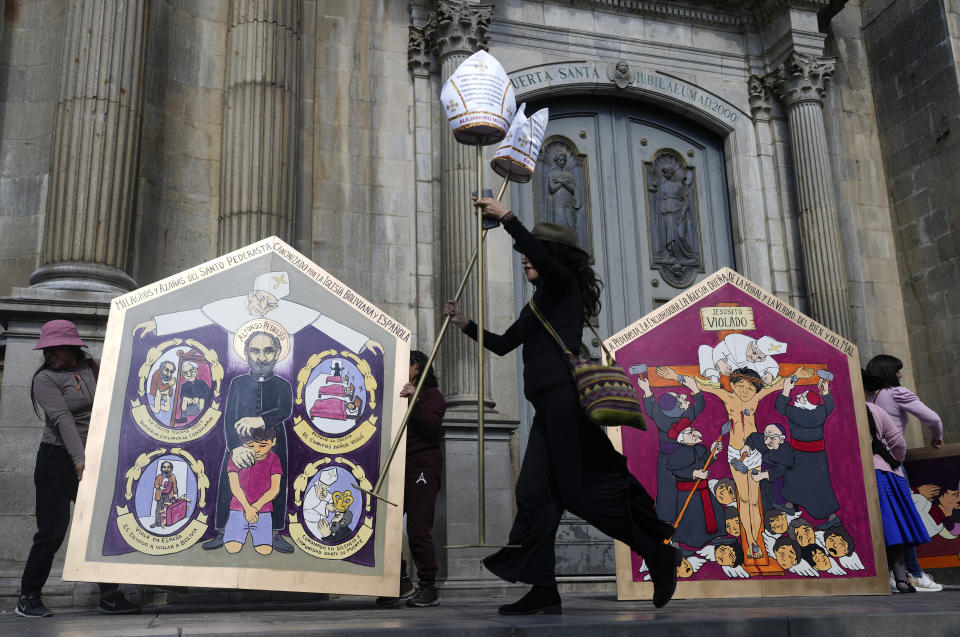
x,y
254,489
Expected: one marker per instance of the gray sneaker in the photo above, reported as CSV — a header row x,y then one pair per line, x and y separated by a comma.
x,y
31,606
426,595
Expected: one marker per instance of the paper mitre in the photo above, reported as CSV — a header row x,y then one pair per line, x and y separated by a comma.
x,y
771,346
478,100
516,159
328,476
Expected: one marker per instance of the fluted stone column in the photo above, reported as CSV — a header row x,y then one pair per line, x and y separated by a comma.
x,y
257,178
96,141
800,83
456,31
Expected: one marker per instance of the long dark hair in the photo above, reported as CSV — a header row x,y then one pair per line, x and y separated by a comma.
x,y
81,357
419,358
885,367
580,264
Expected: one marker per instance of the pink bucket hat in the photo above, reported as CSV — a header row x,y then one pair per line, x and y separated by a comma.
x,y
58,333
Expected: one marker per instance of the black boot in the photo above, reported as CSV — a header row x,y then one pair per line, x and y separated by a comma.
x,y
540,599
663,574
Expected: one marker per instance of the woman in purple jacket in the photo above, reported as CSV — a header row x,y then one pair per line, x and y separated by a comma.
x,y
900,403
902,526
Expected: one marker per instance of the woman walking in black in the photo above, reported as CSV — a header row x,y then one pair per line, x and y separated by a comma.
x,y
569,464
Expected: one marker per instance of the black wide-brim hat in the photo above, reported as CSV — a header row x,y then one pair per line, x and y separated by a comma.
x,y
555,233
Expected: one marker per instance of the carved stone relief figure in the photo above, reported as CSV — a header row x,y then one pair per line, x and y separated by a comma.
x,y
561,188
619,74
674,219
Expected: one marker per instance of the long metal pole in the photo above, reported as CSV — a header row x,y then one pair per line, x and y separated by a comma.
x,y
480,354
429,364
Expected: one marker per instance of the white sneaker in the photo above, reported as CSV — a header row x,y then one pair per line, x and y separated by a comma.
x,y
893,583
926,584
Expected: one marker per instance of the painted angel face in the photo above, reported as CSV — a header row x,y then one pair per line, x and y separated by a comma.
x,y
805,535
725,555
725,494
787,556
820,560
733,527
684,570
779,523
836,545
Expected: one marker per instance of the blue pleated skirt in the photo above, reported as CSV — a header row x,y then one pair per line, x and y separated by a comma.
x,y
901,521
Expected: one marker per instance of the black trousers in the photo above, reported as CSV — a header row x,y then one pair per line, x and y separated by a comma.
x,y
56,481
420,489
570,464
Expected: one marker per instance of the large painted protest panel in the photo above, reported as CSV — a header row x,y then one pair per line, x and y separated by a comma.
x,y
244,408
757,448
934,476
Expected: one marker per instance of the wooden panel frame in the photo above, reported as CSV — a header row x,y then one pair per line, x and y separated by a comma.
x,y
757,586
85,560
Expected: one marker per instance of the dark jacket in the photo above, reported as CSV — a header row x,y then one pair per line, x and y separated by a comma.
x,y
423,429
558,298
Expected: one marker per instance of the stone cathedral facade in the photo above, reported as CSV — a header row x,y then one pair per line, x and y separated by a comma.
x,y
812,145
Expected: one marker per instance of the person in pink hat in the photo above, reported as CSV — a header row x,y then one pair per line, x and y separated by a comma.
x,y
62,395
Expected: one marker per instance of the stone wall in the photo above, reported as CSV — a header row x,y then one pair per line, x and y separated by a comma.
x,y
29,71
180,140
865,212
363,204
911,49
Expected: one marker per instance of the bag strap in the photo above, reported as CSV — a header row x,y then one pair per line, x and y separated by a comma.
x,y
557,338
610,359
549,328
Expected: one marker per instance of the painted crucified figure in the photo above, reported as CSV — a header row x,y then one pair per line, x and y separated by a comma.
x,y
741,404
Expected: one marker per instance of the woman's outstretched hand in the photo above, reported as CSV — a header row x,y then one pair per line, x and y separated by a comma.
x,y
490,207
457,317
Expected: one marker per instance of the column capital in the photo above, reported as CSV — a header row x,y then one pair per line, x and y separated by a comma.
x,y
458,26
801,78
419,56
758,95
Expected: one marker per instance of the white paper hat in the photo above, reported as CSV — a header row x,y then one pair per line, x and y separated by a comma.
x,y
516,159
478,100
328,476
276,283
771,346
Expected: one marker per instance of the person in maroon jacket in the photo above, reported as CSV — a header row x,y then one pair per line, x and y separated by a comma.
x,y
421,484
